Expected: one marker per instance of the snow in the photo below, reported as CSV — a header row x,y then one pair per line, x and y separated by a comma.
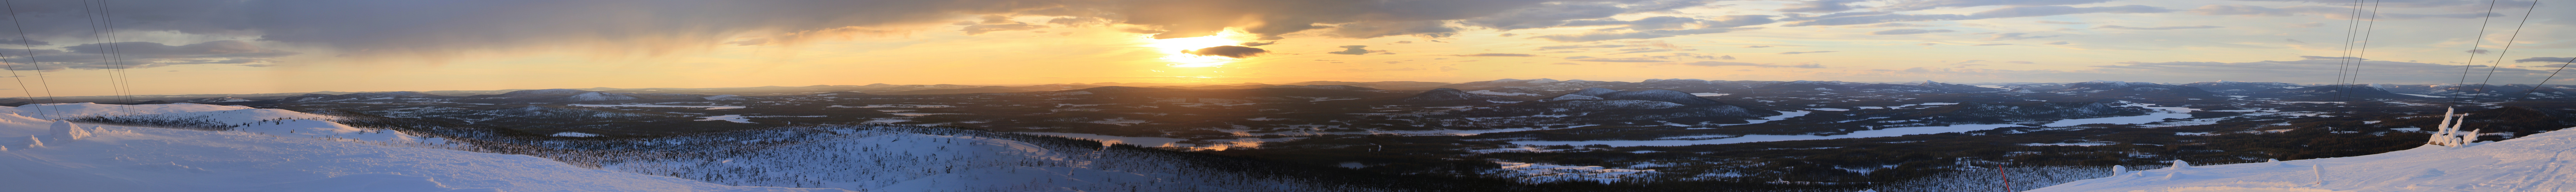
x,y
689,106
1828,109
1783,115
116,158
574,134
2162,114
923,114
1542,173
1710,94
2534,163
733,118
1888,132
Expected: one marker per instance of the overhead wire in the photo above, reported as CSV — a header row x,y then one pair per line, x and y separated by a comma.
x,y
29,47
2496,64
2360,57
2472,63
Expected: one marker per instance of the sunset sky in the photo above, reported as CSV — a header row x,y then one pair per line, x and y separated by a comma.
x,y
258,46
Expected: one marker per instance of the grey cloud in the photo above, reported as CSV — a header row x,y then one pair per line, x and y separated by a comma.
x,y
1909,31
1626,60
1921,5
2545,59
1546,15
988,28
145,55
1897,25
1644,51
1820,6
1727,57
443,28
1353,50
1991,44
1722,63
2338,12
2016,36
1497,55
2006,12
1228,51
1579,46
1659,27
2157,28
1258,44
2061,22
1805,52
19,41
2325,57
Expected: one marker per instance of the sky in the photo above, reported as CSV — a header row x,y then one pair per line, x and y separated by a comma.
x,y
263,46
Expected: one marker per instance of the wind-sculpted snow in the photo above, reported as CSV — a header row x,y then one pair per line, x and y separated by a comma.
x,y
2540,162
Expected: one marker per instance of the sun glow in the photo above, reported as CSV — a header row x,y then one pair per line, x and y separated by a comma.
x,y
1174,48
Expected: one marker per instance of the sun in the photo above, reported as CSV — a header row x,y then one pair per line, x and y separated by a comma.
x,y
1173,48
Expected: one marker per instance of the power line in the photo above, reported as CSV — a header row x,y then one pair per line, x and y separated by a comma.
x,y
2544,82
2508,46
29,49
2360,57
2473,53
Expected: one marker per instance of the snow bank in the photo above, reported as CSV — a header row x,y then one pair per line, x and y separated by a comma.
x,y
2540,162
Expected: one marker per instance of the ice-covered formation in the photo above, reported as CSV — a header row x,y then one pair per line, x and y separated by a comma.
x,y
2449,134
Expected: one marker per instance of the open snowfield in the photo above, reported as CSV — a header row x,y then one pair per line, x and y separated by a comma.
x,y
2540,162
308,156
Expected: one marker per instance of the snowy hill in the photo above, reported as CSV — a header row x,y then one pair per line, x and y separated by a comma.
x,y
2535,163
274,155
280,150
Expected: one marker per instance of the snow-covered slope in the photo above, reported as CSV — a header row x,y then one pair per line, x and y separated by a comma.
x,y
2540,162
274,155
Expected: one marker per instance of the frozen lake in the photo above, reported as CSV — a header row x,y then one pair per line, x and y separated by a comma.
x,y
690,106
1888,132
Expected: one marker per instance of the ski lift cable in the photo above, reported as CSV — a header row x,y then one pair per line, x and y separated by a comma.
x,y
2361,57
98,37
2474,43
28,47
2508,46
2544,82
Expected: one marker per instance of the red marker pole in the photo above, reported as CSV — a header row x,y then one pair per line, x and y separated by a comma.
x,y
1999,170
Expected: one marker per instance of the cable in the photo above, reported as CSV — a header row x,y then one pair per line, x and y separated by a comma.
x,y
2508,46
2552,75
30,50
2365,40
2473,54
